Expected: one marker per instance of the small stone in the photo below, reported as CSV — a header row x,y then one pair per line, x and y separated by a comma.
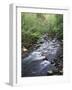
x,y
61,72
52,62
50,72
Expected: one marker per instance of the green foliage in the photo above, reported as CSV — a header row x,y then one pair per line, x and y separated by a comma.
x,y
34,25
59,26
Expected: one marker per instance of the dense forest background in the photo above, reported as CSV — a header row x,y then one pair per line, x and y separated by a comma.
x,y
35,25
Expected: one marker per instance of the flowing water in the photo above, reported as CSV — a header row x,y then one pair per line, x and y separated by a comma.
x,y
38,62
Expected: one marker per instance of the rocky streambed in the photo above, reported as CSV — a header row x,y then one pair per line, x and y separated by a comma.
x,y
45,60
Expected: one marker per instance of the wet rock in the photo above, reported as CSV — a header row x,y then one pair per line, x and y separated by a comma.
x,y
56,72
52,62
54,40
61,72
50,72
37,46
